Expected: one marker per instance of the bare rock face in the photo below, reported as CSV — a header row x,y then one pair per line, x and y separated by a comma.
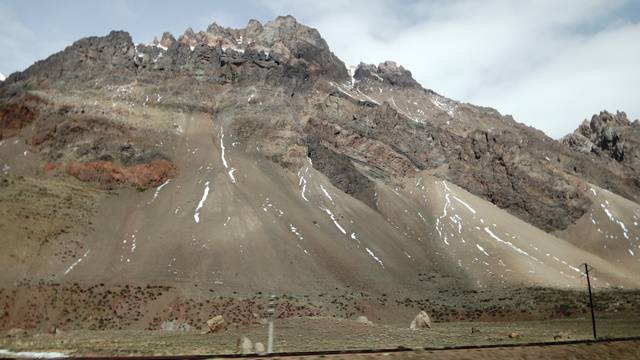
x,y
508,169
216,324
17,113
110,175
579,142
167,39
421,321
110,57
611,135
388,72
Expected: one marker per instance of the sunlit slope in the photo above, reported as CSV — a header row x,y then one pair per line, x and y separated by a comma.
x,y
488,244
234,220
611,229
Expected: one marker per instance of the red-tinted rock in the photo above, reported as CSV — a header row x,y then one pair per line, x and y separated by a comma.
x,y
17,114
109,174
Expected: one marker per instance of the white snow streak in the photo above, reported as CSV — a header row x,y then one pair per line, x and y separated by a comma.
x,y
233,179
625,232
76,262
302,181
472,210
155,195
439,224
224,160
326,193
335,221
374,257
296,232
509,244
196,215
482,249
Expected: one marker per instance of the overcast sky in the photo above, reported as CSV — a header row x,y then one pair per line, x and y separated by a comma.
x,y
548,63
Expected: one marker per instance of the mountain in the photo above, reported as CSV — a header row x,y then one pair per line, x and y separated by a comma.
x,y
240,162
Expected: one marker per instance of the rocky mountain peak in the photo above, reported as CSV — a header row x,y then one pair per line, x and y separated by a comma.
x,y
287,30
166,41
217,30
389,72
254,27
612,135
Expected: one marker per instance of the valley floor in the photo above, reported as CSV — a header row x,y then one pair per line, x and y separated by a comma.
x,y
324,333
605,350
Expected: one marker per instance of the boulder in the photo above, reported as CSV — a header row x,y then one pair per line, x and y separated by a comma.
x,y
475,330
216,324
245,346
562,335
515,335
364,320
259,348
421,321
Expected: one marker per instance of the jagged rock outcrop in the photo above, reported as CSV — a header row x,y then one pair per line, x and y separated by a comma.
x,y
167,40
18,112
94,59
110,175
507,167
609,135
388,72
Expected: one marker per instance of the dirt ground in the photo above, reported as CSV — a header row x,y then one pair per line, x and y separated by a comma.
x,y
613,350
316,333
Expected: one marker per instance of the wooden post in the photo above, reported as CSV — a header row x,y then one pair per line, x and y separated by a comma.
x,y
593,316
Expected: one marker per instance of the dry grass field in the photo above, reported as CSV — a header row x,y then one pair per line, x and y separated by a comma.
x,y
318,333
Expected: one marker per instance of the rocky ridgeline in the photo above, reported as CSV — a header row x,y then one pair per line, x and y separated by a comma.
x,y
295,51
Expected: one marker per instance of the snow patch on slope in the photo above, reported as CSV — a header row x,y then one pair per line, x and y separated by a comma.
x,y
196,214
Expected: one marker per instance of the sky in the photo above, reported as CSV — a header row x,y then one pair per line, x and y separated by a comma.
x,y
548,63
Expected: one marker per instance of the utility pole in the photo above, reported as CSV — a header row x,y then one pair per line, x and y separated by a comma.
x,y
593,316
271,310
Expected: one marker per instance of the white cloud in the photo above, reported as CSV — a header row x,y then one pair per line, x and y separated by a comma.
x,y
548,63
